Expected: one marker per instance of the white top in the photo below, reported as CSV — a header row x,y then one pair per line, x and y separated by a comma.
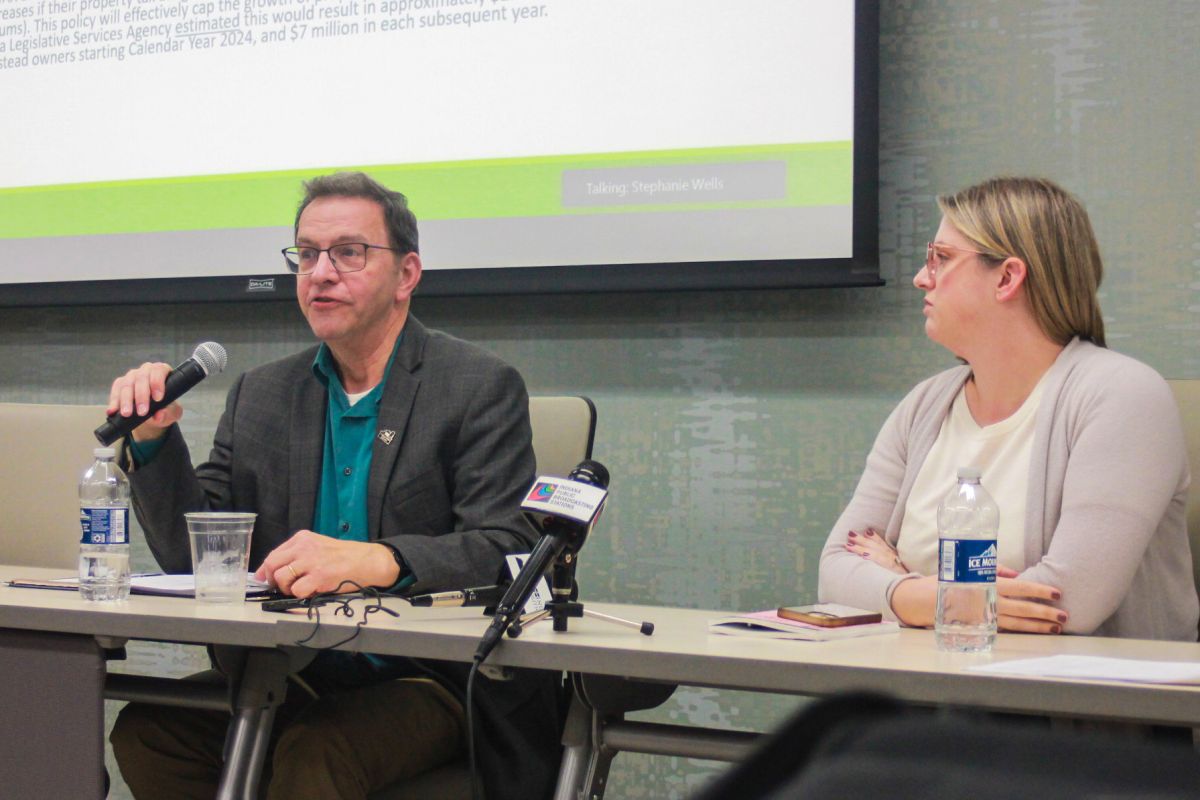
x,y
351,399
1001,451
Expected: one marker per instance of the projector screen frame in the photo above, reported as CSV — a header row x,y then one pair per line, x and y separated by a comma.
x,y
860,270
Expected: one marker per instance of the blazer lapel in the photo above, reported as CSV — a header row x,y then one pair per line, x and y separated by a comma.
x,y
395,407
306,445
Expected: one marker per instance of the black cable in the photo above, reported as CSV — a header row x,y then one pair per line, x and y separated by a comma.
x,y
342,605
475,795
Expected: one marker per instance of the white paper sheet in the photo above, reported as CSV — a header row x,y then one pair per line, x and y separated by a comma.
x,y
1097,668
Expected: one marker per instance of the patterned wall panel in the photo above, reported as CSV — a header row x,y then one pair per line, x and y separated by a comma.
x,y
735,424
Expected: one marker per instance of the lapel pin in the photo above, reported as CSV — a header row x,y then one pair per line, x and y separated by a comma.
x,y
387,435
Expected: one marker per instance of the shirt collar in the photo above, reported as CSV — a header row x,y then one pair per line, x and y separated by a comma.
x,y
325,370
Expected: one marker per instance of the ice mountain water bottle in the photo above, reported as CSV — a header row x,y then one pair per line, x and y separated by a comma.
x,y
968,520
104,519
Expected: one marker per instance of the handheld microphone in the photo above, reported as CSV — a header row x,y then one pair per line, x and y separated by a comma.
x,y
573,506
477,596
208,357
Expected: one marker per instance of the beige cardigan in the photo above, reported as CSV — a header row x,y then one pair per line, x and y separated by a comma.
x,y
1105,517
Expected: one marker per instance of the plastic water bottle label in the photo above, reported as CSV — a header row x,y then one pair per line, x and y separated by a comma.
x,y
104,525
967,560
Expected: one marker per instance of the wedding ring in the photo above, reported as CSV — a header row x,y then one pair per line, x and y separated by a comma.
x,y
292,570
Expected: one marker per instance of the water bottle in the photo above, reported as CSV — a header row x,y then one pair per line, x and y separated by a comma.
x,y
966,601
104,518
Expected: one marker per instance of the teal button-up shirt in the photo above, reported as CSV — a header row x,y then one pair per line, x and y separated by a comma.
x,y
341,508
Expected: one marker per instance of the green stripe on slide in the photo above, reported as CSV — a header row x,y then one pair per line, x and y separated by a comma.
x,y
818,174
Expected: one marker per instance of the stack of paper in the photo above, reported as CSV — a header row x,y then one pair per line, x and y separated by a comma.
x,y
184,585
155,583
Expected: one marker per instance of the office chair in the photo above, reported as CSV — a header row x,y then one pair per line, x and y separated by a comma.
x,y
47,448
564,429
863,744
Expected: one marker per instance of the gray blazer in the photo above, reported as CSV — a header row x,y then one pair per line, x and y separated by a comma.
x,y
446,484
448,470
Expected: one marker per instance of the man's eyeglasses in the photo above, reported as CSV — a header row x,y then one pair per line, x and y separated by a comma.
x,y
936,256
347,257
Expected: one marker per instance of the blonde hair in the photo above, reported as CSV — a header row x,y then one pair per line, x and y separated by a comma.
x,y
1039,222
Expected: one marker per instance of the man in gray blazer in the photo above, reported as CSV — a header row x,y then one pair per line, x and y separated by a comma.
x,y
391,456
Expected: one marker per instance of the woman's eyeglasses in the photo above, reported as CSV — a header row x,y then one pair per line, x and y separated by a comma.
x,y
936,255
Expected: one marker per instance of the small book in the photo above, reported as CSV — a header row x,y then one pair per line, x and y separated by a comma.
x,y
67,584
769,625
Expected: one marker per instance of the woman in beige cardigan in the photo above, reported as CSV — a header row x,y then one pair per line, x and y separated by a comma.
x,y
1081,446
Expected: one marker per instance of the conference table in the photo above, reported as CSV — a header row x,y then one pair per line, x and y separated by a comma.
x,y
905,664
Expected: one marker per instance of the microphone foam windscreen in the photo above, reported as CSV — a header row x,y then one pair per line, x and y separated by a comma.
x,y
592,472
211,357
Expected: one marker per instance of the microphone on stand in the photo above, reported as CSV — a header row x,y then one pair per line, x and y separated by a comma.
x,y
208,358
573,505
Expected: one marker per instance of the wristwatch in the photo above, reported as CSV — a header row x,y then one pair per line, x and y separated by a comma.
x,y
400,562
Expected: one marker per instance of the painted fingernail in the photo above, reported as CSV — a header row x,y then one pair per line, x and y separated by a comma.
x,y
868,532
1057,629
865,555
853,535
1056,596
1062,617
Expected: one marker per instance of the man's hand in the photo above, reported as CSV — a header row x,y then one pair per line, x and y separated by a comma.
x,y
132,393
1021,606
309,563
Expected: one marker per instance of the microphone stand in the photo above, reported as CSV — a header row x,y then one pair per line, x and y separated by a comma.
x,y
554,553
563,606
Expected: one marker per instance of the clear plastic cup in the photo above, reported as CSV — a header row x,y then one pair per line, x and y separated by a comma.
x,y
220,554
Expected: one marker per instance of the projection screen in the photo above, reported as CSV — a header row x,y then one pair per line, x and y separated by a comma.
x,y
155,149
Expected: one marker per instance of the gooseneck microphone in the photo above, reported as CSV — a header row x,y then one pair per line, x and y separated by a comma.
x,y
572,515
208,358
